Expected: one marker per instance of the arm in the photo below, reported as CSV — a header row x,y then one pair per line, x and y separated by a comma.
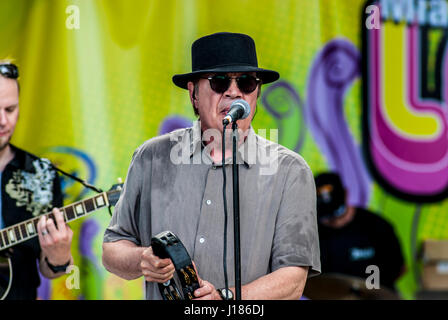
x,y
55,243
123,259
284,283
129,261
389,254
45,270
122,250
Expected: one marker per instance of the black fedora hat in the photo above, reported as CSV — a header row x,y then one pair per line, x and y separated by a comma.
x,y
224,52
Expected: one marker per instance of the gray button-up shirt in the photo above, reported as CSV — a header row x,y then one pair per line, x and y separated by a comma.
x,y
172,184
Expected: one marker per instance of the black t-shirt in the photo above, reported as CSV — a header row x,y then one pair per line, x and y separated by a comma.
x,y
30,187
366,240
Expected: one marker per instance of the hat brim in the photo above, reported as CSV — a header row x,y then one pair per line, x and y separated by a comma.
x,y
266,76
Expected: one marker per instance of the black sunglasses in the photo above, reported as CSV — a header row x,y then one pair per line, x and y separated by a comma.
x,y
9,70
220,83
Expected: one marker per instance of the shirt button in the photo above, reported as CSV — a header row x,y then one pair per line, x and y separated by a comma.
x,y
201,240
209,202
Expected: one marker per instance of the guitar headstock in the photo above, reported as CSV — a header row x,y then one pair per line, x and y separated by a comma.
x,y
114,193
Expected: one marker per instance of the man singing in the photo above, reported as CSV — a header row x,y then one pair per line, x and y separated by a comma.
x,y
279,239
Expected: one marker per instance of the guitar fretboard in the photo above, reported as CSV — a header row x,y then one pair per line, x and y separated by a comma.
x,y
26,230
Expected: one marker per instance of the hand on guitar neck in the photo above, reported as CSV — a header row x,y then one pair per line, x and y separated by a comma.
x,y
55,238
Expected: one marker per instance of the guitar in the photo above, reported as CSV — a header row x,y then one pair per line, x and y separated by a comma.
x,y
23,231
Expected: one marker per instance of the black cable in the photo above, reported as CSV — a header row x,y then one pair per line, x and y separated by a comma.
x,y
84,183
224,259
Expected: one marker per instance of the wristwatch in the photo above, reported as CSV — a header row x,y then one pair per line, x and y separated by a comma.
x,y
57,269
226,294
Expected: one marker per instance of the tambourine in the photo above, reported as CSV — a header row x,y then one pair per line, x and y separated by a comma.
x,y
167,245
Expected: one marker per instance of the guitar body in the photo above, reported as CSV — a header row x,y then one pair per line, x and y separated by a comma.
x,y
5,275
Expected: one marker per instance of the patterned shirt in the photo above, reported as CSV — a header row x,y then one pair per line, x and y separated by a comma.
x,y
30,187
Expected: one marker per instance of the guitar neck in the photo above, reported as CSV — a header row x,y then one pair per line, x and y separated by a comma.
x,y
26,230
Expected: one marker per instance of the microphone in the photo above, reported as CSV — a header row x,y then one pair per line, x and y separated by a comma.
x,y
239,109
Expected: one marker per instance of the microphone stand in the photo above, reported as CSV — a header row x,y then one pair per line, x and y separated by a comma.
x,y
236,212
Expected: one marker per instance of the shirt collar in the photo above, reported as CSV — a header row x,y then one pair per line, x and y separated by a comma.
x,y
244,151
21,159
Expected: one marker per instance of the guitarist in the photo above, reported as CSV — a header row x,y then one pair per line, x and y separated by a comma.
x,y
30,187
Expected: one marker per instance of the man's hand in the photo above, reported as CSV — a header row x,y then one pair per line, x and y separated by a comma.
x,y
155,269
55,239
206,291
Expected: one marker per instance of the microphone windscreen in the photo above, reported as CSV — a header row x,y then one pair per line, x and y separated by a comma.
x,y
244,104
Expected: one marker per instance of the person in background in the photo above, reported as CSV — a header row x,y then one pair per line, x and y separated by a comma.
x,y
352,238
29,187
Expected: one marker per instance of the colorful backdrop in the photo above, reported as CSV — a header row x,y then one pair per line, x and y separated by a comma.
x,y
369,103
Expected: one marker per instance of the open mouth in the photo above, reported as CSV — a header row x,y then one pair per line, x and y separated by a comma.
x,y
224,111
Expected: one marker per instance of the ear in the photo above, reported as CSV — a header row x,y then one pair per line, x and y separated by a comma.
x,y
190,86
